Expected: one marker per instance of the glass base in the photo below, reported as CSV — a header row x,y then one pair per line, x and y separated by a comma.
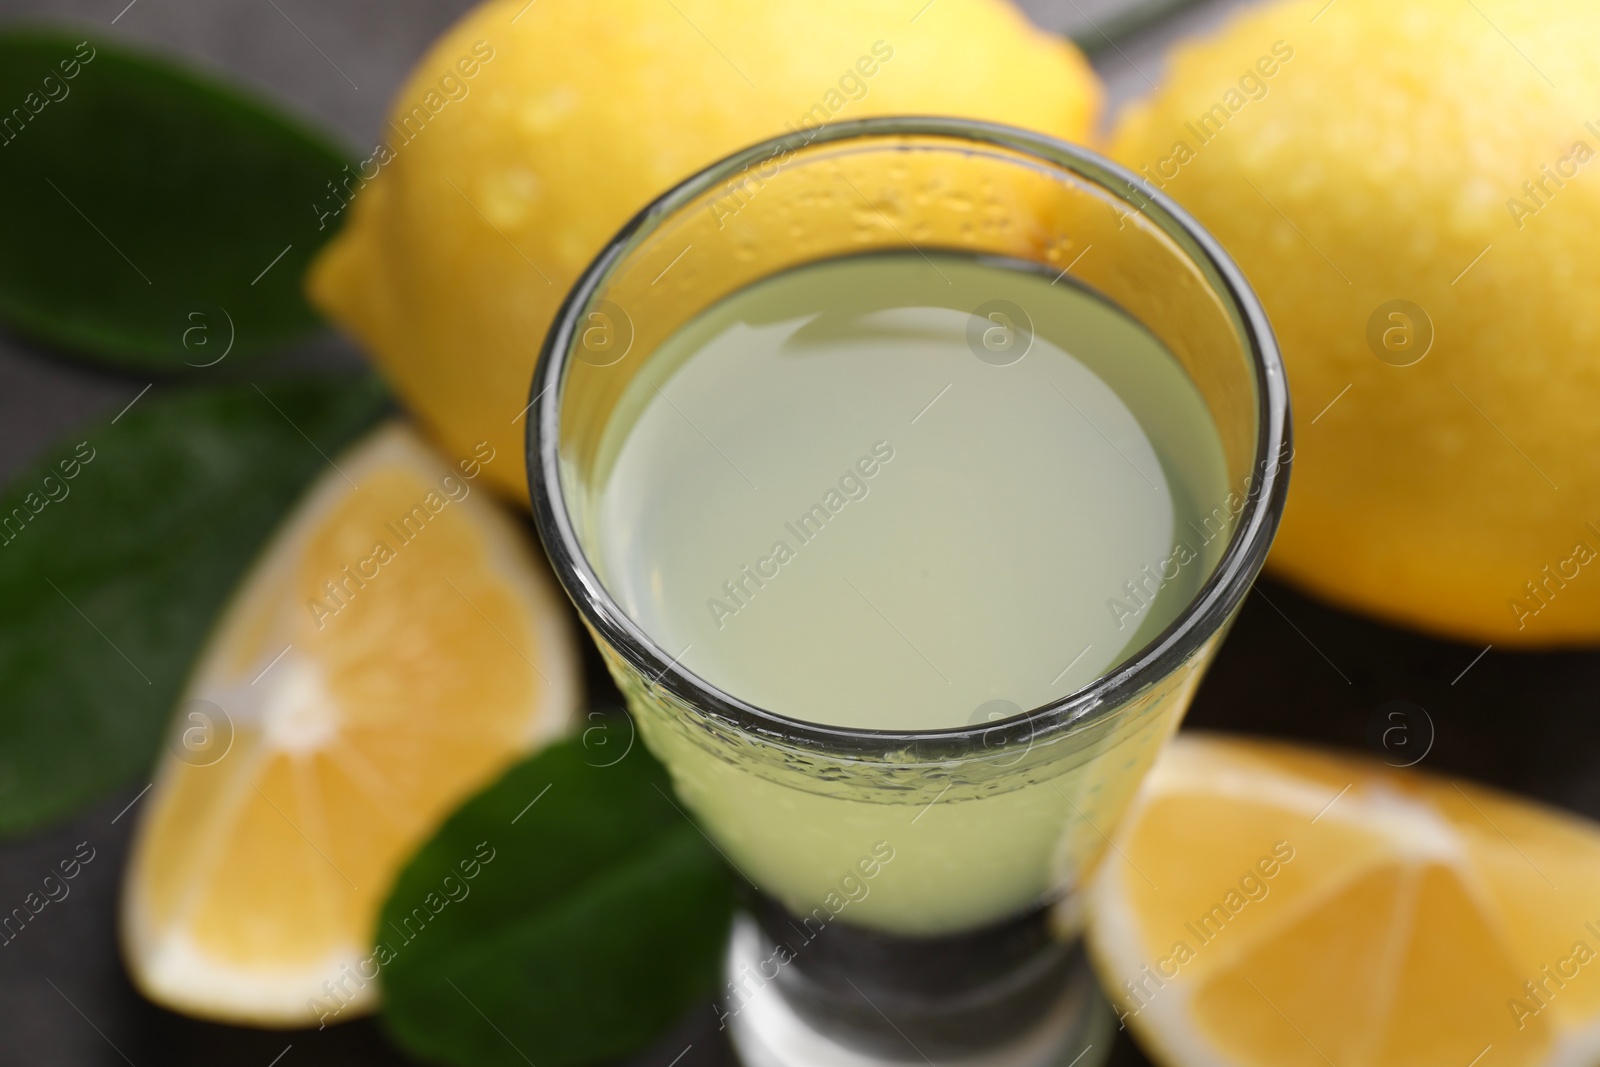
x,y
1005,997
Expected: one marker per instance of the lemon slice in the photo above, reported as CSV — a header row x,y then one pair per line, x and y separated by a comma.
x,y
1274,906
397,645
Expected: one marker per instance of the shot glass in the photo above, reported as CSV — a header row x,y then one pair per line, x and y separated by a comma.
x,y
912,895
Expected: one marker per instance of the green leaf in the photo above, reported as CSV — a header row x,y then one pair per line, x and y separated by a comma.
x,y
600,918
116,554
145,202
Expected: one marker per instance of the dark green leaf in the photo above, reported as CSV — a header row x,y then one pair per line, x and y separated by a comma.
x,y
599,920
144,203
116,554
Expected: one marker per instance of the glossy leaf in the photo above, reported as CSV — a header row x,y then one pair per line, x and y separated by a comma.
x,y
117,549
155,217
568,914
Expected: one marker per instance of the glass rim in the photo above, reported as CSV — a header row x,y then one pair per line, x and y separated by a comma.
x,y
1200,619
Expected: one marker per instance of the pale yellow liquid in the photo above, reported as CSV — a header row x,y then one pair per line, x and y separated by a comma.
x,y
822,501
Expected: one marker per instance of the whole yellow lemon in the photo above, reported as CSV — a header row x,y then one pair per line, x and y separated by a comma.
x,y
1414,191
533,130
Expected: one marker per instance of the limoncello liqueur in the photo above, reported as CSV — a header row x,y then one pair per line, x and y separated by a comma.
x,y
844,498
906,491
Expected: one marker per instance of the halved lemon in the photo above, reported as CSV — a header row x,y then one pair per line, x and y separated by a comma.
x,y
398,644
1278,907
